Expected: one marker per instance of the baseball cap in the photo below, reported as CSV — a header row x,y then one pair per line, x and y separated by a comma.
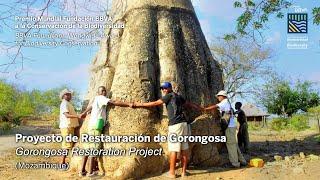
x,y
166,85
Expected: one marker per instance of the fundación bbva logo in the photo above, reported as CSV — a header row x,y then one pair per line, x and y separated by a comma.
x,y
297,23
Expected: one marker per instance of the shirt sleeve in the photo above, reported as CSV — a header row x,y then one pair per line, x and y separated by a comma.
x,y
64,107
103,101
222,106
166,98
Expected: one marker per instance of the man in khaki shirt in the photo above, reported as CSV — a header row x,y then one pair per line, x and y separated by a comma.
x,y
69,120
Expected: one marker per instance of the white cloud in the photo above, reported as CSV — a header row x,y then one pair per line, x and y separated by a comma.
x,y
206,29
196,3
30,78
85,7
7,50
222,9
76,78
73,77
275,38
6,58
2,51
315,77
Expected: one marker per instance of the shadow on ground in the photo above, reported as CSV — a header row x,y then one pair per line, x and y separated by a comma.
x,y
268,149
265,150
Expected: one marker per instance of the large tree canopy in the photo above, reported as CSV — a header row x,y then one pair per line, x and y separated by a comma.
x,y
16,103
283,98
257,13
243,63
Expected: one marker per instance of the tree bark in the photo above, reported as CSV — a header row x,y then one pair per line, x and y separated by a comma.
x,y
162,41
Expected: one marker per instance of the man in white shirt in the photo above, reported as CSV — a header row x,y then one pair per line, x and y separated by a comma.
x,y
224,106
97,123
69,120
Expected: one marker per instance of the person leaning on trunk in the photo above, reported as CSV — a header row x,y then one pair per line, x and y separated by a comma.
x,y
177,124
224,106
97,122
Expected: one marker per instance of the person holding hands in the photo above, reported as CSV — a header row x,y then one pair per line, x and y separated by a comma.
x,y
177,124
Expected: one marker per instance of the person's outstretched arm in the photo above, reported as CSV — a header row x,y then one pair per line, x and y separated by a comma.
x,y
148,104
84,113
88,109
119,103
71,116
210,108
191,105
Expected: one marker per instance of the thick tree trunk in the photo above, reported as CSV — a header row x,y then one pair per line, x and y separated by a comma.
x,y
162,41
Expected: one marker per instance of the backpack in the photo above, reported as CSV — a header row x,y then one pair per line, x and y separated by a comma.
x,y
225,118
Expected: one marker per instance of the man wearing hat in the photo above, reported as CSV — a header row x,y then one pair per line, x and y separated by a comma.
x,y
69,119
224,106
177,124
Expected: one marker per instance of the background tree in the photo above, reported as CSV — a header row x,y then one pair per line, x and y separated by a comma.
x,y
252,22
15,49
281,97
315,112
24,106
7,99
256,14
51,102
16,104
243,63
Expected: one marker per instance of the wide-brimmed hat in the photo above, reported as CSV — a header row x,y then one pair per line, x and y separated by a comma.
x,y
65,91
222,93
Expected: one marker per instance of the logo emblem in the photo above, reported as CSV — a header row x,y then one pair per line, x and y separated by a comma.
x,y
297,23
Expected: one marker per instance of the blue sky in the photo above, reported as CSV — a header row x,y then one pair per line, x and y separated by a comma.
x,y
303,64
69,66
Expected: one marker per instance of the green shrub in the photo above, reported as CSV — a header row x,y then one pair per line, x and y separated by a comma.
x,y
298,122
253,127
279,124
17,104
317,138
16,121
5,126
55,124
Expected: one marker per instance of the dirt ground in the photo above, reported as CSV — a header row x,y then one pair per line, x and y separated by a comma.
x,y
298,150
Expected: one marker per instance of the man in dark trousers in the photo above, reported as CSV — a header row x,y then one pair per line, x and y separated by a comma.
x,y
243,135
177,124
